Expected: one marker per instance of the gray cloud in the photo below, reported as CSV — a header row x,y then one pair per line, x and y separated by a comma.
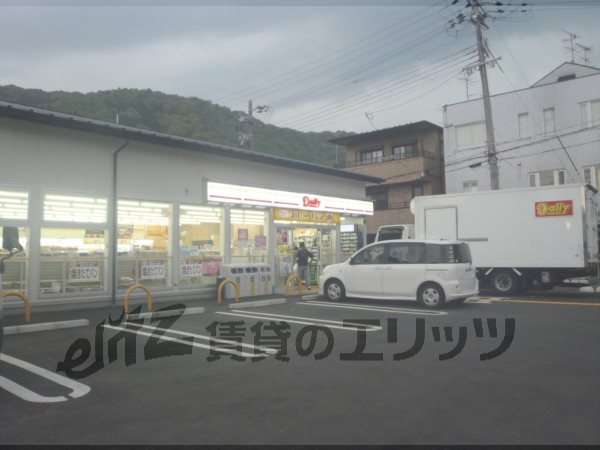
x,y
229,54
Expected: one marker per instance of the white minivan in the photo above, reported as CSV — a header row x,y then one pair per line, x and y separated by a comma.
x,y
432,272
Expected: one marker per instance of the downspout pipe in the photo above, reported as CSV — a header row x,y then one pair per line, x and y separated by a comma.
x,y
114,234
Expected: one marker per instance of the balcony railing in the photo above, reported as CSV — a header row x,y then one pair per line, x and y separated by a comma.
x,y
383,159
399,205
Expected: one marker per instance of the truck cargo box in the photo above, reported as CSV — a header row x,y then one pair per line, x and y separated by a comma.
x,y
546,228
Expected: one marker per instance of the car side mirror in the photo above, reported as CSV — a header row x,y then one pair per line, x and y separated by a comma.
x,y
10,239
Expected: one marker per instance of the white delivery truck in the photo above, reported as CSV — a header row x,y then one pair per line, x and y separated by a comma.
x,y
519,238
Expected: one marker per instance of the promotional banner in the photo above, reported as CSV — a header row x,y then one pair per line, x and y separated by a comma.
x,y
299,215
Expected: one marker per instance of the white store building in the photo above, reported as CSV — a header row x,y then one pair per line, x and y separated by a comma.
x,y
547,134
184,208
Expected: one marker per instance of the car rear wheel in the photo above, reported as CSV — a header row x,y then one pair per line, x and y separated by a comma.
x,y
334,290
431,295
505,282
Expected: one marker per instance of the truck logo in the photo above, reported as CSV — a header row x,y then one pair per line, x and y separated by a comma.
x,y
308,203
554,208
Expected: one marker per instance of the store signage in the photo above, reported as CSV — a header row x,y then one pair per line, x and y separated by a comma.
x,y
82,271
153,269
190,267
308,203
244,195
554,208
299,215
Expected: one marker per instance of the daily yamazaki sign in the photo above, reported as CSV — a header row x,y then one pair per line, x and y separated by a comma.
x,y
245,195
554,208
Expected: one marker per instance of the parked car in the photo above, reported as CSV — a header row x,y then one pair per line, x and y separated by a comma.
x,y
432,272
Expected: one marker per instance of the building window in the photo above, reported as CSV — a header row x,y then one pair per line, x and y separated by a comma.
x,y
470,136
14,205
63,208
592,175
404,151
470,186
15,268
72,260
379,196
524,131
372,156
549,121
200,245
589,113
248,235
417,191
547,178
143,244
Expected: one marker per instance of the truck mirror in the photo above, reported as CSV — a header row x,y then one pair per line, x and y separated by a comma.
x,y
10,239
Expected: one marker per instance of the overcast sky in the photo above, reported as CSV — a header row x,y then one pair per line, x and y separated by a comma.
x,y
337,65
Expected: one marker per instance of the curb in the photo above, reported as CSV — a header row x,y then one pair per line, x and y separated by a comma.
x,y
311,297
46,326
273,301
168,313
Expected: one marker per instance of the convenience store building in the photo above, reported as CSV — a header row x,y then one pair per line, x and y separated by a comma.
x,y
183,208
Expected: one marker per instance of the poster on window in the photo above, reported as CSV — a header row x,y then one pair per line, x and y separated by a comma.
x,y
153,269
82,271
190,267
211,266
260,242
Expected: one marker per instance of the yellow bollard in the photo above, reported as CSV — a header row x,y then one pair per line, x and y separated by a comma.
x,y
222,286
287,284
130,290
25,300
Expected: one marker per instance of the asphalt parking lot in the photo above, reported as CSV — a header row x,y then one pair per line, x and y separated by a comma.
x,y
523,370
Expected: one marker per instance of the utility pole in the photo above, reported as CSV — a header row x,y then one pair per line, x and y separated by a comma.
x,y
478,19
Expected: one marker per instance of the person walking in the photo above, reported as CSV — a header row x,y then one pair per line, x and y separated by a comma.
x,y
302,256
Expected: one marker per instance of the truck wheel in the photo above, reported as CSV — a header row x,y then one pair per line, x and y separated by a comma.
x,y
334,290
431,295
505,282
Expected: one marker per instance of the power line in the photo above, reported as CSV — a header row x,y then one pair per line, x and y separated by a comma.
x,y
299,71
332,106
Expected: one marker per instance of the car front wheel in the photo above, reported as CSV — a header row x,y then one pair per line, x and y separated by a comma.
x,y
431,295
334,290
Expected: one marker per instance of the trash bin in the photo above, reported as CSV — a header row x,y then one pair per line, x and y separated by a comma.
x,y
266,283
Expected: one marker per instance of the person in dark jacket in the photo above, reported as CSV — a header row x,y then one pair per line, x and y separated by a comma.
x,y
302,256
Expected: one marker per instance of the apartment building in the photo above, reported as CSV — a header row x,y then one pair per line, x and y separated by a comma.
x,y
409,158
547,134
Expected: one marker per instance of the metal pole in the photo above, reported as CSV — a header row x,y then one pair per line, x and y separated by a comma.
x,y
114,233
489,125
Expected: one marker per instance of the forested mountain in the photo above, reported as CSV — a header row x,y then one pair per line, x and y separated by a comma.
x,y
183,116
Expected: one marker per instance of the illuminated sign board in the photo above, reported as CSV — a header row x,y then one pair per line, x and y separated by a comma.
x,y
243,195
554,208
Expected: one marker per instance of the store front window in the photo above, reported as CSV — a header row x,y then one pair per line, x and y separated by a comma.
x,y
73,258
351,236
15,268
200,245
248,235
143,244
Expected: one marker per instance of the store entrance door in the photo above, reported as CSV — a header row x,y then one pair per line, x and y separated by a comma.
x,y
319,240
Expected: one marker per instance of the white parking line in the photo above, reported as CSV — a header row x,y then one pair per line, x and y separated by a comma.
x,y
204,337
77,389
350,326
419,312
195,344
